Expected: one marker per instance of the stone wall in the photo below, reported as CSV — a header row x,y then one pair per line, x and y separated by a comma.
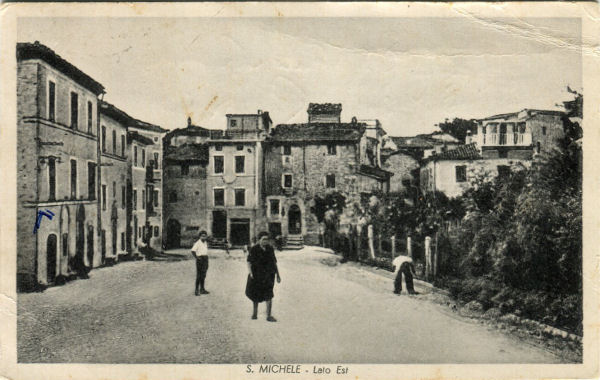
x,y
401,164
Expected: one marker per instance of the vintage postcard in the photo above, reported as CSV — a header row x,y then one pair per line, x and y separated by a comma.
x,y
299,190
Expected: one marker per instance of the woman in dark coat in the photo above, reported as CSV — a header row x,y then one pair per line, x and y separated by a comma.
x,y
262,268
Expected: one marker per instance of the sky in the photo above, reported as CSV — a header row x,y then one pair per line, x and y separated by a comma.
x,y
409,73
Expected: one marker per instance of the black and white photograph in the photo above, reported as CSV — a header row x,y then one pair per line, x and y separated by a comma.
x,y
270,191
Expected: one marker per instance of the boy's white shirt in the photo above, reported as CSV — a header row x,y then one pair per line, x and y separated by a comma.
x,y
200,248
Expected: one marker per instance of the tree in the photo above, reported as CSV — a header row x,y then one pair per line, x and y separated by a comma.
x,y
458,127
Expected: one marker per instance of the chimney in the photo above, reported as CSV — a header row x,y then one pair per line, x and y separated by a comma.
x,y
468,138
260,112
189,120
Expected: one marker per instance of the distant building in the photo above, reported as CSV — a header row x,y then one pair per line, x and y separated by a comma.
x,y
452,171
323,155
141,186
513,135
57,163
150,161
213,181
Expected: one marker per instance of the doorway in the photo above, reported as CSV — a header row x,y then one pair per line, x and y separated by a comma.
x,y
80,239
173,234
51,258
294,220
90,245
219,225
240,232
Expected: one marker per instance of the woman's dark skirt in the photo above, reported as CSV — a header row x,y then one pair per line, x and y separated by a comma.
x,y
260,288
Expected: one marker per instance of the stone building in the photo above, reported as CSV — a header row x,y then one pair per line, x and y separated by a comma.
x,y
115,175
57,162
324,155
150,161
513,135
216,186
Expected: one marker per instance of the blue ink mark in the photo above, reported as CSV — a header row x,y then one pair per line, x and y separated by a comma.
x,y
49,214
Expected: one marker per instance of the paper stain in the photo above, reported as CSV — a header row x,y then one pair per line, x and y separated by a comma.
x,y
212,101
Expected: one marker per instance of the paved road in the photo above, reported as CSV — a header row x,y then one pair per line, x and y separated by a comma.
x,y
145,312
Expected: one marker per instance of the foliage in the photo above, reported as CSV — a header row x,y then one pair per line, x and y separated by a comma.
x,y
332,199
458,127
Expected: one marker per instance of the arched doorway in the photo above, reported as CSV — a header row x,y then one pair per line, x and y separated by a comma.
x,y
51,258
113,230
173,234
66,264
294,220
79,264
90,245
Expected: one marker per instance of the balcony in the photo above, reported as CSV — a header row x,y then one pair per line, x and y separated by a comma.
x,y
505,139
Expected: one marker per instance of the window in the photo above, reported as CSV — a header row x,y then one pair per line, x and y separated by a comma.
x,y
538,147
522,127
143,199
239,147
122,145
219,147
51,101
239,164
274,204
103,139
74,110
544,131
114,189
51,178
331,149
135,155
173,196
114,141
218,164
89,117
91,180
330,181
287,181
461,173
123,197
155,198
73,179
122,241
483,129
185,169
219,197
240,197
233,123
156,231
143,157
287,150
503,171
134,199
103,197
155,160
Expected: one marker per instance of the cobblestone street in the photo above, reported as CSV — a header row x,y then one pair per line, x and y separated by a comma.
x,y
146,312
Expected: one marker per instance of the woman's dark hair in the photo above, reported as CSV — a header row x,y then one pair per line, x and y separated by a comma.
x,y
261,234
203,233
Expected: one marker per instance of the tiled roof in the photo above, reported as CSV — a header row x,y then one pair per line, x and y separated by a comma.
x,y
115,113
187,152
530,112
134,136
27,50
374,172
463,152
424,141
190,130
318,132
147,126
324,108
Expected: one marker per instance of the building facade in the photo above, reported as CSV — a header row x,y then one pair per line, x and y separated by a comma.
x,y
150,162
306,160
114,177
57,162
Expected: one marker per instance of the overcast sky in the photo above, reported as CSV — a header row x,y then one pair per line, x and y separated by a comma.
x,y
408,73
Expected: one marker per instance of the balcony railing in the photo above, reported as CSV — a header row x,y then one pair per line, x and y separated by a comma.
x,y
508,139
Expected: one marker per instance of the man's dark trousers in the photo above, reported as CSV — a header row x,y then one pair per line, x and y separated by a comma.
x,y
404,268
201,268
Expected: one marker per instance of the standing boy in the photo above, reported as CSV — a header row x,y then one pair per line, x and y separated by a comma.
x,y
200,252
